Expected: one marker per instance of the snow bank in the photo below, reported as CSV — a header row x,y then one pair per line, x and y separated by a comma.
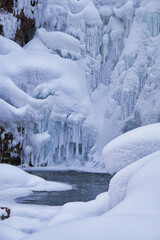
x,y
134,208
7,46
8,233
81,210
111,227
60,41
120,189
29,218
131,146
14,183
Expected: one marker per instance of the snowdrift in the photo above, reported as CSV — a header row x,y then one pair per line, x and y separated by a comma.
x,y
131,146
14,183
133,208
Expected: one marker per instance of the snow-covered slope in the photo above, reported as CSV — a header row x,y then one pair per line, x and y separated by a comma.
x,y
90,73
131,211
131,146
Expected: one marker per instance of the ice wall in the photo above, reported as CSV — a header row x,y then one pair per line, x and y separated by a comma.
x,y
116,45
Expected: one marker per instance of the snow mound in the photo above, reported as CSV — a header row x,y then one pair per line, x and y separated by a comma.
x,y
8,233
59,41
29,218
81,210
14,182
131,146
121,186
7,46
134,208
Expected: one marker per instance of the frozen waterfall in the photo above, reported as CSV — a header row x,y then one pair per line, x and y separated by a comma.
x,y
90,73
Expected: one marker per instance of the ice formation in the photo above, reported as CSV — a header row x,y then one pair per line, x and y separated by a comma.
x,y
90,73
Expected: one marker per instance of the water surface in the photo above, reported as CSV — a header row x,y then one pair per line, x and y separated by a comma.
x,y
86,186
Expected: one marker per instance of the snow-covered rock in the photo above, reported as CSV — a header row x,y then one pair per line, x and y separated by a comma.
x,y
8,233
61,43
81,210
131,146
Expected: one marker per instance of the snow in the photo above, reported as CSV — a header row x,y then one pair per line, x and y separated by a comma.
x,y
39,140
116,27
7,46
29,218
141,200
81,210
106,11
23,220
14,182
3,212
131,208
90,74
59,41
127,11
49,98
103,228
131,146
79,48
8,233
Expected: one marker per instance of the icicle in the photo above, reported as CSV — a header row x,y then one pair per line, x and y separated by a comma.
x,y
153,23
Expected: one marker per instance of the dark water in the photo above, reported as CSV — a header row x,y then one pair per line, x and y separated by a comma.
x,y
86,186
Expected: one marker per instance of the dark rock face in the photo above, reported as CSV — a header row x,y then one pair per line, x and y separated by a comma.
x,y
27,26
7,5
8,153
26,31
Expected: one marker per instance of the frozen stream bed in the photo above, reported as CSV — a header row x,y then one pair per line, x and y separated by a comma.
x,y
86,186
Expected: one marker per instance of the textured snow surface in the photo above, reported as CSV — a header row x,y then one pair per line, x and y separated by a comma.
x,y
14,183
130,209
59,41
49,103
8,233
27,219
131,146
90,74
81,210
